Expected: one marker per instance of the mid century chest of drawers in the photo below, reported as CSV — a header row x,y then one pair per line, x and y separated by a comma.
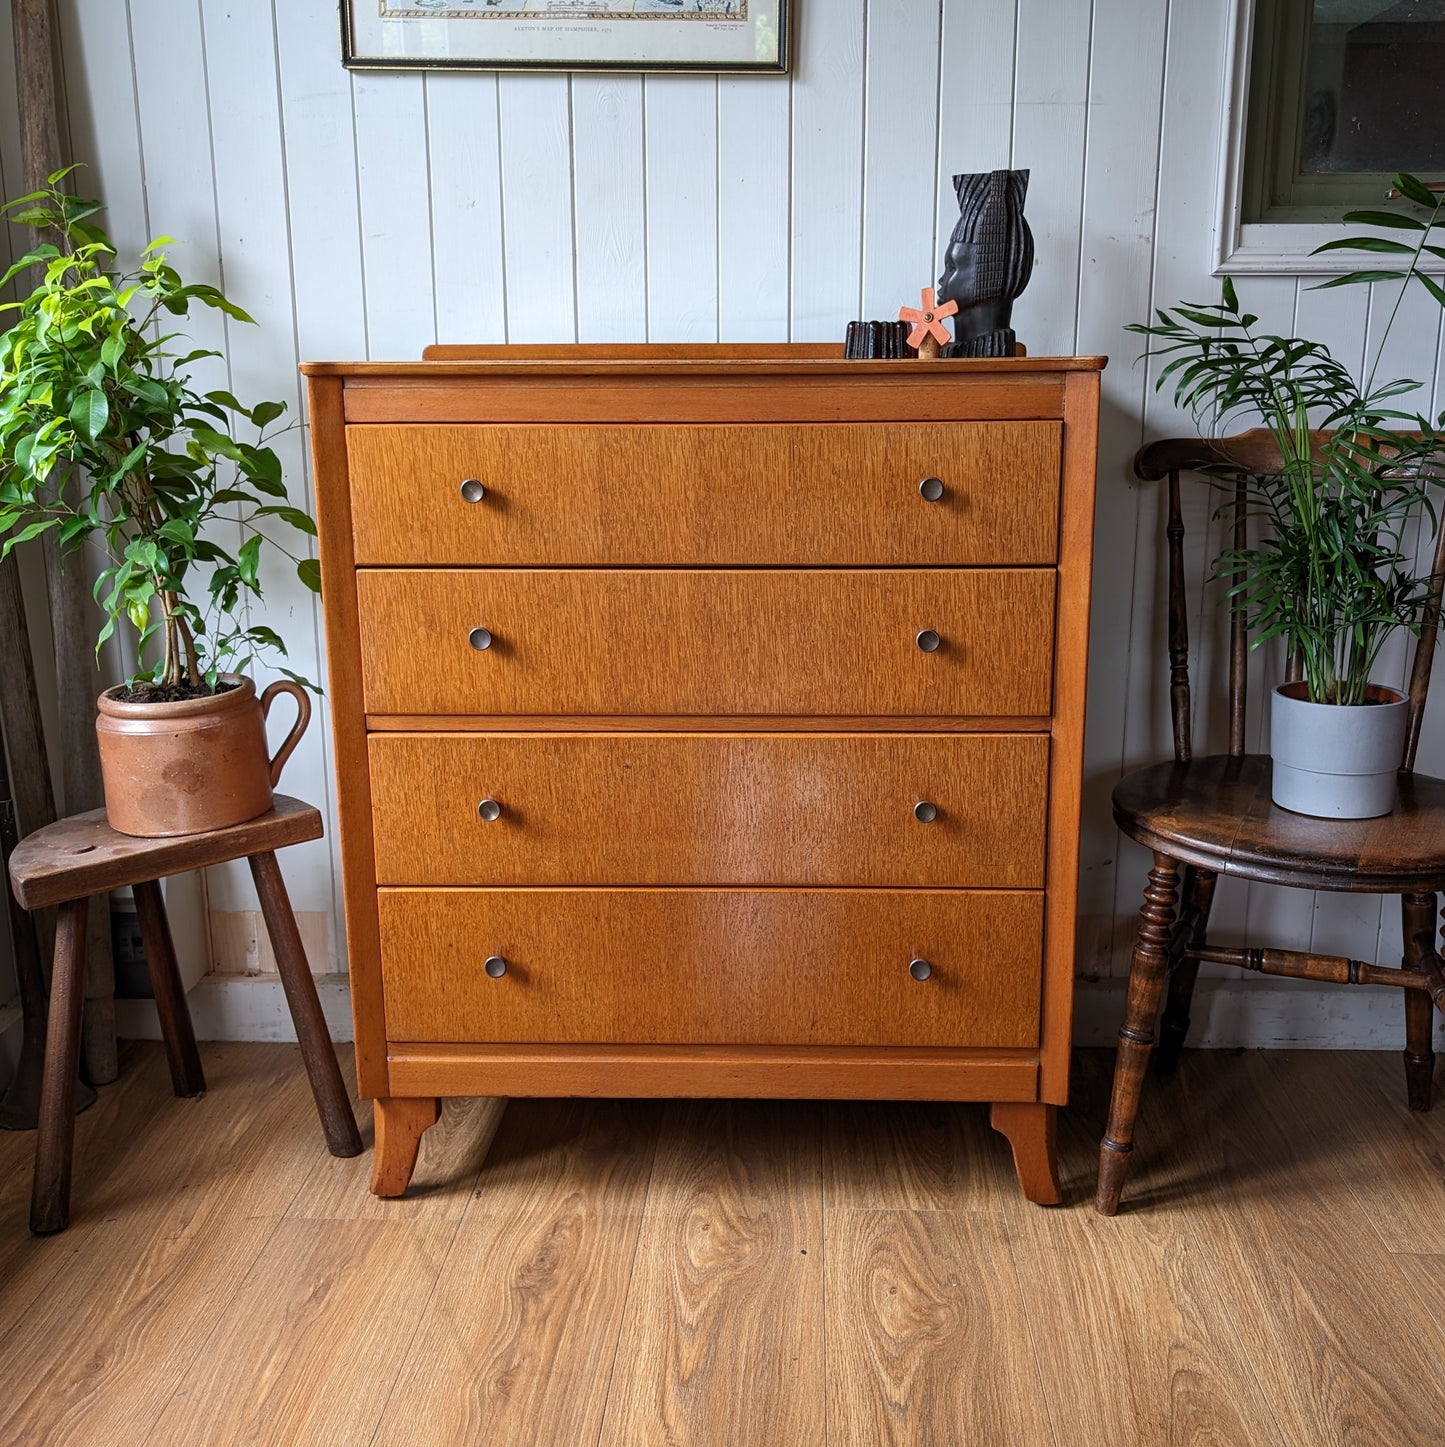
x,y
708,721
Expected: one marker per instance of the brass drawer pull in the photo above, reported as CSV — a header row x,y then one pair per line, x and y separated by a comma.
x,y
496,966
927,640
489,810
931,489
472,490
920,969
481,639
925,811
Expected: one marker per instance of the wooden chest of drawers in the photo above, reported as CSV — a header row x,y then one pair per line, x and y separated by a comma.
x,y
708,721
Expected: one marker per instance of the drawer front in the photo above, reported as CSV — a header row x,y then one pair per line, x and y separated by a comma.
x,y
808,967
730,642
677,809
700,495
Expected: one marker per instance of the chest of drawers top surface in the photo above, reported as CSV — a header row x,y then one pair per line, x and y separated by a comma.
x,y
725,703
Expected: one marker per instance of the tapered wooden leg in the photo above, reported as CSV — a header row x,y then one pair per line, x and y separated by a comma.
x,y
333,1104
187,1077
1032,1132
50,1195
401,1121
1418,917
1136,1034
1174,1024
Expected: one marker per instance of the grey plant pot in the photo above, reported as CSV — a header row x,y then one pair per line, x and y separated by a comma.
x,y
1336,761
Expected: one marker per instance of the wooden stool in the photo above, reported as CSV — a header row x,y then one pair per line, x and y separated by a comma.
x,y
67,862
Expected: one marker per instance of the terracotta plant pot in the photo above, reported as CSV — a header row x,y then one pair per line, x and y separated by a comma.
x,y
183,768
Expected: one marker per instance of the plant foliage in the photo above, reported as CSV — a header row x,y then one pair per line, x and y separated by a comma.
x,y
104,438
1330,572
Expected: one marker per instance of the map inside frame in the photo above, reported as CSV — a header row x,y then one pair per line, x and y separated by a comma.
x,y
677,35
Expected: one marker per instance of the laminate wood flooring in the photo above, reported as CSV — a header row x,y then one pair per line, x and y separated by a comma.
x,y
734,1274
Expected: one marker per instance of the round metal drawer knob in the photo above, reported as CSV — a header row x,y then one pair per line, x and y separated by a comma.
x,y
472,490
496,966
928,641
931,489
920,969
925,811
481,639
489,810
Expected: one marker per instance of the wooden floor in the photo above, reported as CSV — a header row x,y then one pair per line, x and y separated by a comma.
x,y
731,1273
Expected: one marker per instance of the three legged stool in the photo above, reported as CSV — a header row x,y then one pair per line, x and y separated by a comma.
x,y
67,862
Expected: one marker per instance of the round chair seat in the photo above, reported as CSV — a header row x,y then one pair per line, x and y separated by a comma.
x,y
1216,813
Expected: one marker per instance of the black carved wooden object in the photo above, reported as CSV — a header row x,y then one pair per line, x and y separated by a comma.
x,y
989,260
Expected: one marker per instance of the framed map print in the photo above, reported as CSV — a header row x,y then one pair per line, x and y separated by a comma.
x,y
717,35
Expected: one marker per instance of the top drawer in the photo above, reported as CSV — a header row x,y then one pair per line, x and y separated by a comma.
x,y
836,494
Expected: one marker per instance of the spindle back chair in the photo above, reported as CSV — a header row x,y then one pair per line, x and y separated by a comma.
x,y
1203,817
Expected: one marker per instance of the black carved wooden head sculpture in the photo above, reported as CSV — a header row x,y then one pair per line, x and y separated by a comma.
x,y
988,263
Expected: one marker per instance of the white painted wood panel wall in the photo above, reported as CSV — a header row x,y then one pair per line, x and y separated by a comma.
x,y
362,215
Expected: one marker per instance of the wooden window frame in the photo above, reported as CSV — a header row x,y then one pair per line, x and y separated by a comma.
x,y
1282,243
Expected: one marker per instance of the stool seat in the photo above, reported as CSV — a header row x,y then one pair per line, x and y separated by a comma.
x,y
67,862
82,855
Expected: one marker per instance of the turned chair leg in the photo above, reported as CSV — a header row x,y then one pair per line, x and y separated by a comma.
x,y
1136,1034
184,1059
1174,1024
333,1104
50,1194
1418,916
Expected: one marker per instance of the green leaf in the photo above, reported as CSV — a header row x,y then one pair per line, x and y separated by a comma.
x,y
1415,190
1395,220
90,412
266,412
1358,278
309,571
247,560
1366,243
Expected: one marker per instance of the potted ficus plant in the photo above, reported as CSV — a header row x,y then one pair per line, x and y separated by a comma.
x,y
1332,572
105,439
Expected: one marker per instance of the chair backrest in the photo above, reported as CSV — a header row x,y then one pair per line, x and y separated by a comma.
x,y
1247,455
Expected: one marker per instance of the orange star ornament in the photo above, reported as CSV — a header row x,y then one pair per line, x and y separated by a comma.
x,y
928,334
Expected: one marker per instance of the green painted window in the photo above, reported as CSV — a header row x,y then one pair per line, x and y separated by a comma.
x,y
1342,95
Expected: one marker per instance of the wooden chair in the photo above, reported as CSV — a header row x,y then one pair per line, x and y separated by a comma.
x,y
67,862
1210,816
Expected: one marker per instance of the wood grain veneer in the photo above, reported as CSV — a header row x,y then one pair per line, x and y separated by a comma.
x,y
744,967
705,642
706,717
693,808
700,496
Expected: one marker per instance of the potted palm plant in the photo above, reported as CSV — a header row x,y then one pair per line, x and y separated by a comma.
x,y
105,439
1332,572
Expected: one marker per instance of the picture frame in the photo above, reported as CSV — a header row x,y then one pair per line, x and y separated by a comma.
x,y
720,36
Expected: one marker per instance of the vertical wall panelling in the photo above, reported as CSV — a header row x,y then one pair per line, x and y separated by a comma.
x,y
466,217
754,221
607,163
251,208
1188,150
900,154
396,238
321,195
1051,89
977,65
361,214
827,168
328,294
537,231
680,121
1117,247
